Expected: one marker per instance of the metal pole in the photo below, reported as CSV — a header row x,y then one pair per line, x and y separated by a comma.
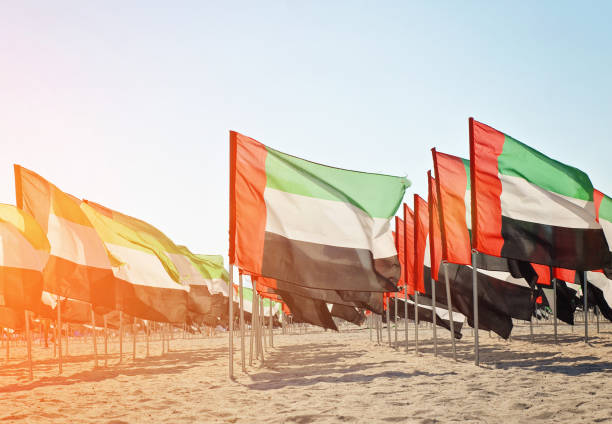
x,y
433,311
554,283
148,323
531,329
406,315
260,330
242,352
370,325
93,329
475,300
252,334
262,316
388,322
586,318
59,332
271,326
67,338
105,341
8,344
395,317
449,304
29,342
230,330
134,333
416,322
121,336
597,317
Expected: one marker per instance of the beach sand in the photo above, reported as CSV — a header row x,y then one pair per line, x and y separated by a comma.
x,y
322,377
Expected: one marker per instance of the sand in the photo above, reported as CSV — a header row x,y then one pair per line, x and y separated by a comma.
x,y
322,377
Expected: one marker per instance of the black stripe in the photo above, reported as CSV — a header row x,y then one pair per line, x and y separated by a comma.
x,y
308,310
321,266
570,248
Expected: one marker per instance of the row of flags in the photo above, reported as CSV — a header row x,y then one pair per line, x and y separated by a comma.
x,y
93,256
325,234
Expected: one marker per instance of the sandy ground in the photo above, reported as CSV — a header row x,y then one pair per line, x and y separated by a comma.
x,y
322,377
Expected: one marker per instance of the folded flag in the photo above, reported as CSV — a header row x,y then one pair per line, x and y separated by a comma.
x,y
311,224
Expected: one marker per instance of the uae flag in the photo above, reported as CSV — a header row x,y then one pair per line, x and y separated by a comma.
x,y
435,237
421,248
78,266
398,237
147,280
408,234
348,313
529,207
311,224
311,311
24,251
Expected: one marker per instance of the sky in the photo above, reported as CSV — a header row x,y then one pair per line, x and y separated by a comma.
x,y
130,104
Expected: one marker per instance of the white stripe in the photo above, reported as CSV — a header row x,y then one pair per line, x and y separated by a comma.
x,y
17,252
75,242
525,201
142,268
441,312
467,200
504,276
327,222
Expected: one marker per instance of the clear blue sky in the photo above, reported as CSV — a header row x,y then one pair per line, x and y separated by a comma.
x,y
130,103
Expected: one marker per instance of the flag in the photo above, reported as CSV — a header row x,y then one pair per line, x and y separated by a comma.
x,y
348,313
305,309
398,237
453,189
530,207
78,266
199,269
426,314
313,225
147,279
24,251
409,226
421,236
435,238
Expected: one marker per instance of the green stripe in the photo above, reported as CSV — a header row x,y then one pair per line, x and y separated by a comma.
x,y
378,195
605,209
466,165
519,160
209,266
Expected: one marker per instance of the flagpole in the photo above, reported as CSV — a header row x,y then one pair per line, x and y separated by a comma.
x,y
554,283
531,328
596,310
147,327
29,342
260,325
242,352
105,342
433,311
395,316
230,329
271,326
475,300
406,313
93,328
388,322
449,304
121,337
134,329
586,307
416,322
59,332
370,325
67,339
252,332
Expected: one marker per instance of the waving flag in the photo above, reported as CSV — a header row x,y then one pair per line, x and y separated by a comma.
x,y
147,279
435,238
421,238
311,224
530,207
409,226
24,251
78,266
